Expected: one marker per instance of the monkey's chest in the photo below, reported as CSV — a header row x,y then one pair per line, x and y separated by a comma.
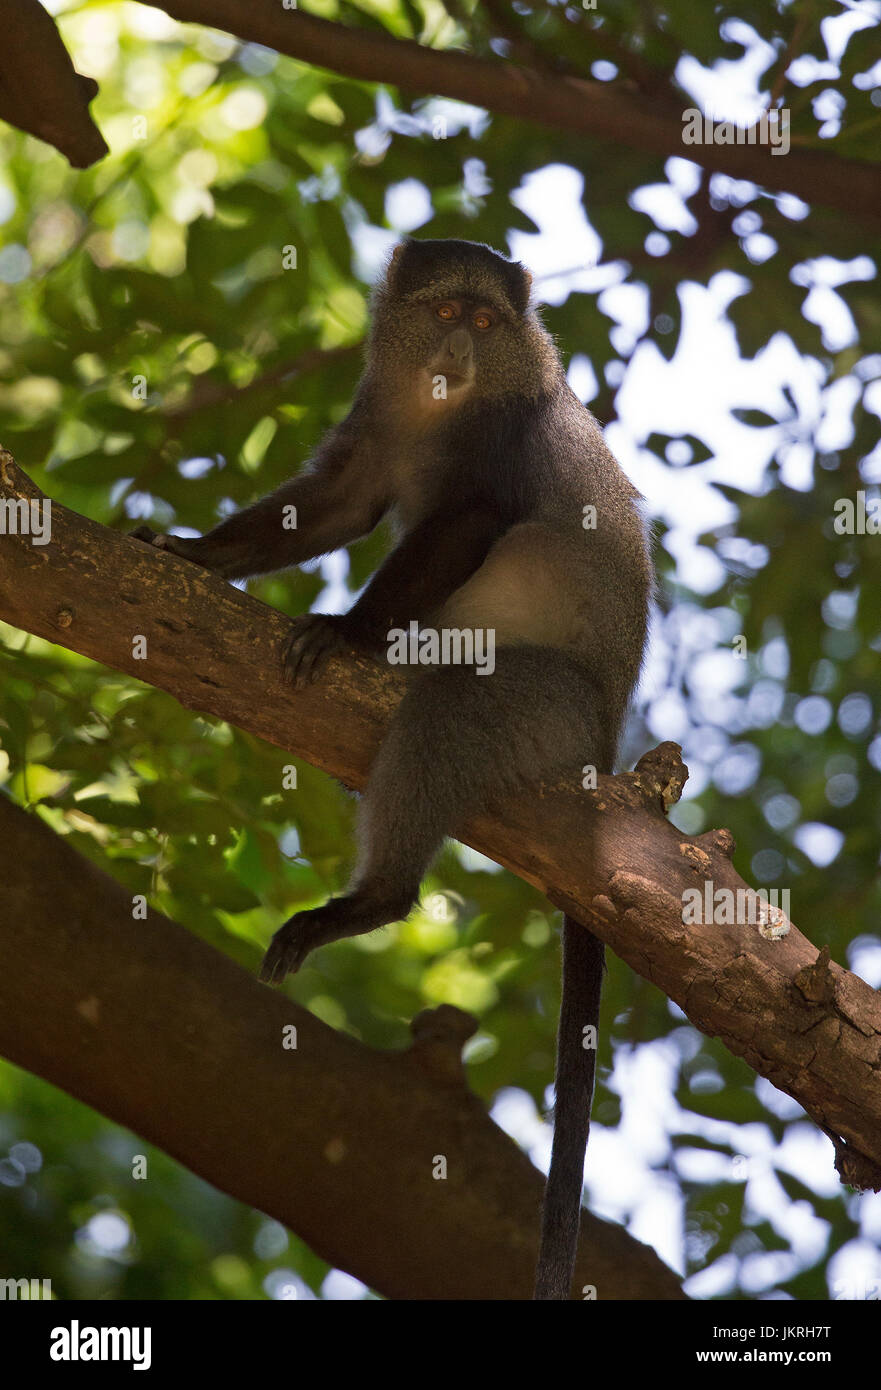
x,y
418,487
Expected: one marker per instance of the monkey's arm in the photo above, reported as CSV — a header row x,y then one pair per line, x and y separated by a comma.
x,y
334,502
429,564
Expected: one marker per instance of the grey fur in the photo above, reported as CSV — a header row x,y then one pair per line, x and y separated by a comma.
x,y
489,487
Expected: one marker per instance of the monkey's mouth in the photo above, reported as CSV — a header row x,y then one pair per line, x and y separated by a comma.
x,y
454,379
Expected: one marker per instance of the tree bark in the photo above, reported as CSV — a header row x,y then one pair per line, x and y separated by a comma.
x,y
39,90
164,1035
609,858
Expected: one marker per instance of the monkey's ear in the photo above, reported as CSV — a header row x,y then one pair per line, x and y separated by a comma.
x,y
522,293
394,262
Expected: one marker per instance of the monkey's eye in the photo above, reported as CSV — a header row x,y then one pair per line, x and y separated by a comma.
x,y
483,320
447,313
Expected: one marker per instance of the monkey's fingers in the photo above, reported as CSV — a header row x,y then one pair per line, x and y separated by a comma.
x,y
295,648
146,533
311,642
187,547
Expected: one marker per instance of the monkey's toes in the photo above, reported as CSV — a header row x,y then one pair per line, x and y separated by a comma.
x,y
313,639
146,533
290,946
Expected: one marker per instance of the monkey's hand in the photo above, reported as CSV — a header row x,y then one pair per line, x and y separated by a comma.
x,y
185,547
146,533
313,639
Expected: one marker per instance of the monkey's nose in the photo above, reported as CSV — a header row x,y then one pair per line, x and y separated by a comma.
x,y
459,346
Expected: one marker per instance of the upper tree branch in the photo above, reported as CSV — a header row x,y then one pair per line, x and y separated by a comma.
x,y
39,90
603,110
611,858
54,105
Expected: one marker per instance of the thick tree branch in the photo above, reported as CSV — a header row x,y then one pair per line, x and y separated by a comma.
x,y
610,857
163,1034
602,110
39,90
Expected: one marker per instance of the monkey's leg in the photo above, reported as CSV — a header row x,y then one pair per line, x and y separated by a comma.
x,y
402,820
457,742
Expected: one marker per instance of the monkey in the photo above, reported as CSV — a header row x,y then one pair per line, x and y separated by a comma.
x,y
514,518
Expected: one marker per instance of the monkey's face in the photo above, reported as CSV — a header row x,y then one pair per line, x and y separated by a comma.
x,y
452,323
451,348
457,334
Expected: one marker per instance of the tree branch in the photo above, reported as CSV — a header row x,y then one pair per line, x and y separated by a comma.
x,y
609,858
605,111
56,110
164,1035
207,395
39,90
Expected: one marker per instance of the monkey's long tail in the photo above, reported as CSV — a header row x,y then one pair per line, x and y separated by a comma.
x,y
456,743
583,964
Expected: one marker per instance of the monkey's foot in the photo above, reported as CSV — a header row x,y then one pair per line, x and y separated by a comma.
x,y
305,931
358,912
312,641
